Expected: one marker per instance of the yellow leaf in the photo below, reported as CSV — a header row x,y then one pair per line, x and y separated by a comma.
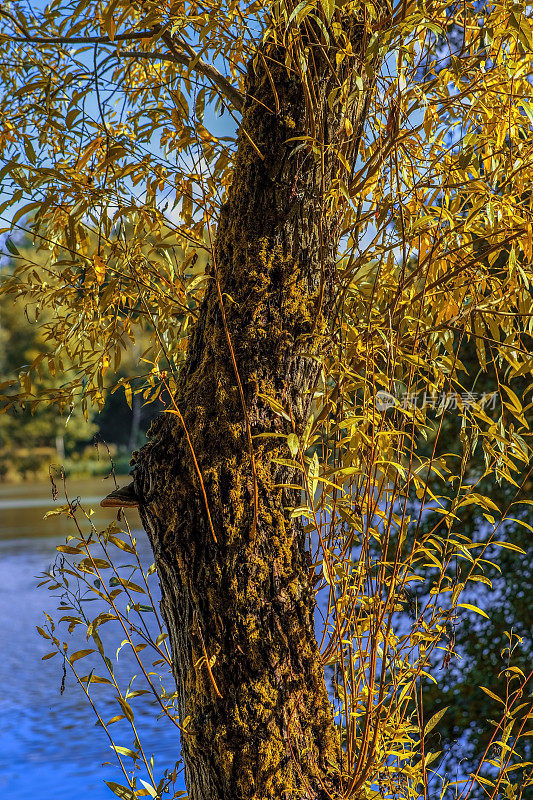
x,y
312,475
66,509
473,608
513,398
293,443
491,694
329,8
79,654
99,269
435,719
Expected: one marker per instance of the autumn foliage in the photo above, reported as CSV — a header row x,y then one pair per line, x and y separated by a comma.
x,y
118,135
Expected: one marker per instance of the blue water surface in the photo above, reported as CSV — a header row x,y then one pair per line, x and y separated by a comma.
x,y
50,747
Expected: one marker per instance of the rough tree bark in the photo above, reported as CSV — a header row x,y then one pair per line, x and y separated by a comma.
x,y
235,582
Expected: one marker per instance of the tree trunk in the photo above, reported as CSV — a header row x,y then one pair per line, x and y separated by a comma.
x,y
235,580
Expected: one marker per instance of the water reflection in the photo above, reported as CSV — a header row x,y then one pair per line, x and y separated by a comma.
x,y
49,745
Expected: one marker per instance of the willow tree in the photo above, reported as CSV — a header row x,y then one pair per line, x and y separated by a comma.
x,y
291,198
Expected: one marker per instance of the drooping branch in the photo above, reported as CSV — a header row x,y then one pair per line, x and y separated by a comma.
x,y
232,94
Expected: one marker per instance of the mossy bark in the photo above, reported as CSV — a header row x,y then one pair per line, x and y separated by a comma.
x,y
235,586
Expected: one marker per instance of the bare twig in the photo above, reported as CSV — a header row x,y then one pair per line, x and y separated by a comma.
x,y
121,37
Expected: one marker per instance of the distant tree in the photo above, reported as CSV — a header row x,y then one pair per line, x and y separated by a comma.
x,y
25,341
29,421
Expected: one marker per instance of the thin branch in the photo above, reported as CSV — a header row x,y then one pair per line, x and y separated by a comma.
x,y
190,57
181,53
15,22
177,56
121,37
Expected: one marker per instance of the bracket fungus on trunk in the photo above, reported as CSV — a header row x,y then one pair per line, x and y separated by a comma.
x,y
123,497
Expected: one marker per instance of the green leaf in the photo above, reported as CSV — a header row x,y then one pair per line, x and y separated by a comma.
x,y
12,248
30,152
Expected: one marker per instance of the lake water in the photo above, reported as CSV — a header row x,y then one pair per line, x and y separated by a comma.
x,y
50,748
